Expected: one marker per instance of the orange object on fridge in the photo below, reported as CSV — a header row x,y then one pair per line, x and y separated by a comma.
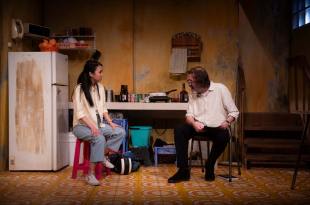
x,y
48,45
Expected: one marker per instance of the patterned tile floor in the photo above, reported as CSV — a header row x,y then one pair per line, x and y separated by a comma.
x,y
149,186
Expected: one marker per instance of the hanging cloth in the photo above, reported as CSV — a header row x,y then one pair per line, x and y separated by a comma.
x,y
178,61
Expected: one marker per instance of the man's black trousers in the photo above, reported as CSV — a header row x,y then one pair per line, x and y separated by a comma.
x,y
183,133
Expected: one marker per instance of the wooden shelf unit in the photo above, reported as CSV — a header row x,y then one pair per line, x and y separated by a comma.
x,y
191,41
89,42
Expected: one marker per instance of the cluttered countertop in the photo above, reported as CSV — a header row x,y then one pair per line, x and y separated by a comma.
x,y
146,106
143,106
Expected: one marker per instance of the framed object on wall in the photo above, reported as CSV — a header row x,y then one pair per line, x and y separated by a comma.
x,y
191,41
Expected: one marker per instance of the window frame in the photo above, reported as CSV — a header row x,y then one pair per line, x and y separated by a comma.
x,y
300,11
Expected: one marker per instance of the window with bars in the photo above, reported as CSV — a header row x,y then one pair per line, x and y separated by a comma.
x,y
300,13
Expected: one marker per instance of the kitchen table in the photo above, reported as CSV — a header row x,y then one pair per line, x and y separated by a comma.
x,y
157,114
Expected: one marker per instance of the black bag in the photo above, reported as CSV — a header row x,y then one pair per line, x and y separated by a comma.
x,y
124,164
142,154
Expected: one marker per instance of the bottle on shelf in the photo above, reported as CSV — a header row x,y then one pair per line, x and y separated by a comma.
x,y
124,93
183,94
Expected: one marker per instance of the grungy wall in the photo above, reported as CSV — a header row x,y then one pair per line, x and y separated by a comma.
x,y
300,46
158,21
264,33
135,38
112,24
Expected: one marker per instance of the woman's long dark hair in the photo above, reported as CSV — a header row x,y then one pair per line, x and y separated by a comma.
x,y
84,79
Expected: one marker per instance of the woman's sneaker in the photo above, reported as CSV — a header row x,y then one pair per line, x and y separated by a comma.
x,y
91,179
108,164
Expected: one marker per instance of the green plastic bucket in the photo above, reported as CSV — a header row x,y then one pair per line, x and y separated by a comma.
x,y
140,135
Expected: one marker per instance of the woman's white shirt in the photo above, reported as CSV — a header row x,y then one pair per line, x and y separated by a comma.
x,y
82,108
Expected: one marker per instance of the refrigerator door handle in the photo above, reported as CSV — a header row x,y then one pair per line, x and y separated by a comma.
x,y
58,84
58,91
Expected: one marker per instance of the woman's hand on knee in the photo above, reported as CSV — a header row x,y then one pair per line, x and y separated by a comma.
x,y
95,131
113,125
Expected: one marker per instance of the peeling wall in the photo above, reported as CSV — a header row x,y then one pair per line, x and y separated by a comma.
x,y
112,24
264,32
135,38
157,21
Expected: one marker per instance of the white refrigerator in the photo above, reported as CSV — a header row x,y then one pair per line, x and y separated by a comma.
x,y
38,111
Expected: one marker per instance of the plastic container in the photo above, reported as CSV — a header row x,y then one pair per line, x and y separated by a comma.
x,y
140,135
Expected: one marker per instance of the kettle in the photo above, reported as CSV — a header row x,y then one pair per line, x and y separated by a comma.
x,y
17,29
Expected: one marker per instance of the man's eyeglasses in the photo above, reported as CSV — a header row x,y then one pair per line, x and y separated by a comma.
x,y
190,82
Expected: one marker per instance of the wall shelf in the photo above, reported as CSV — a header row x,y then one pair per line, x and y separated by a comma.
x,y
76,42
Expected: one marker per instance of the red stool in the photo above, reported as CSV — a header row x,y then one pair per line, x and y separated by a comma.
x,y
85,165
